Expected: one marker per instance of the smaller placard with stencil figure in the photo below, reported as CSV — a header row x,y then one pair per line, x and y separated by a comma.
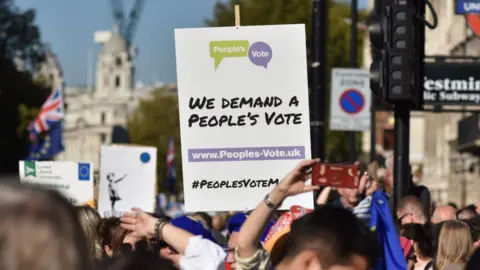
x,y
127,179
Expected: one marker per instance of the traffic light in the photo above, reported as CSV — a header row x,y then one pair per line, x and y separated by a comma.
x,y
396,34
399,51
376,29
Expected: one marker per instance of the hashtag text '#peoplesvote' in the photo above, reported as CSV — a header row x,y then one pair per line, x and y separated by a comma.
x,y
245,183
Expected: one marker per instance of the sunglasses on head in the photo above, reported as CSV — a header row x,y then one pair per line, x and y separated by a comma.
x,y
228,249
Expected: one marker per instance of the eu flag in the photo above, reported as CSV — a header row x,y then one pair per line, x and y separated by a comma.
x,y
48,145
381,222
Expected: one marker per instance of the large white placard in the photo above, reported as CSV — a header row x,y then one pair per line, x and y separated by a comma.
x,y
74,180
350,100
127,179
244,113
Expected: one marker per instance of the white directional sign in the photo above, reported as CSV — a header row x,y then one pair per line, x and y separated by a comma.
x,y
350,100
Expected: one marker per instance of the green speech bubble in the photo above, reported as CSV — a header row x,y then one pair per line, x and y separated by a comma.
x,y
228,48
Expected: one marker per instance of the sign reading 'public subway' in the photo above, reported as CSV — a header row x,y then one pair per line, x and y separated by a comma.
x,y
452,84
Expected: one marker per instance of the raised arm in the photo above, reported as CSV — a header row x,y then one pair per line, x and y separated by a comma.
x,y
123,177
292,184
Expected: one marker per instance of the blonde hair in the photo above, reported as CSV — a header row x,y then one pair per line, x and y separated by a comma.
x,y
455,244
90,221
39,230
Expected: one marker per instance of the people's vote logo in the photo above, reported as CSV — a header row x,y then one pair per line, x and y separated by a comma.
x,y
259,53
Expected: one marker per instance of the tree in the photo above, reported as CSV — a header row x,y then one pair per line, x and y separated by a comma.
x,y
268,12
153,122
19,43
19,36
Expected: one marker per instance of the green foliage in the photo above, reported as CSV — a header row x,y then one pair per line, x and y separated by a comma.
x,y
152,124
26,116
268,12
43,81
19,40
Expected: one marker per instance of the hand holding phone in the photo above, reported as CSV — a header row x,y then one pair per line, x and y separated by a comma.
x,y
336,175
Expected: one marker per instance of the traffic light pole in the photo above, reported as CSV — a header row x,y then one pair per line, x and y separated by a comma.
x,y
318,71
317,97
401,151
353,62
373,131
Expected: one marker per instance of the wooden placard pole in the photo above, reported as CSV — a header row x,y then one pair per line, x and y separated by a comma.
x,y
237,15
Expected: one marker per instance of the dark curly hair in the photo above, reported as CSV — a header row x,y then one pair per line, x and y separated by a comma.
x,y
421,236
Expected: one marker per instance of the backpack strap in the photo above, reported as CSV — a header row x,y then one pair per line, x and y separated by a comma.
x,y
428,266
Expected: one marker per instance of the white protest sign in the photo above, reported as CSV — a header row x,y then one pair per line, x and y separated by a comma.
x,y
127,179
244,113
74,180
350,100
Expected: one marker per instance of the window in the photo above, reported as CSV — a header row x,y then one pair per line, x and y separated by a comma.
x,y
103,137
118,61
117,81
65,106
103,118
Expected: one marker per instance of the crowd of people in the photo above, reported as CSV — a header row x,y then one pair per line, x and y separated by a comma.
x,y
41,230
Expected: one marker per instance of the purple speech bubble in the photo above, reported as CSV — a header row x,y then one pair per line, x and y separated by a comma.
x,y
260,54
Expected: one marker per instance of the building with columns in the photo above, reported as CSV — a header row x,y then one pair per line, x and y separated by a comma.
x,y
92,113
450,175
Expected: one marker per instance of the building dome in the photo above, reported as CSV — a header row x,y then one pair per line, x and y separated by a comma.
x,y
115,44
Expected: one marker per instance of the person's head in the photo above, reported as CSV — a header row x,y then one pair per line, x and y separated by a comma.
x,y
466,213
474,261
350,196
140,260
219,221
410,210
203,217
474,225
110,176
444,213
422,240
113,236
477,207
90,221
233,226
328,238
40,230
454,244
454,205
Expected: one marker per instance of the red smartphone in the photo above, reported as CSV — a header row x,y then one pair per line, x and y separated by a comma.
x,y
336,175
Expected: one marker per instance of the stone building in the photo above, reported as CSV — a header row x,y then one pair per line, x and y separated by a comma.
x,y
450,175
91,114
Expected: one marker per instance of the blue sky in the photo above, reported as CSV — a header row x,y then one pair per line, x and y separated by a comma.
x,y
69,25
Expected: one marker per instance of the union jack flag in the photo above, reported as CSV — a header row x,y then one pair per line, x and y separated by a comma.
x,y
171,166
50,114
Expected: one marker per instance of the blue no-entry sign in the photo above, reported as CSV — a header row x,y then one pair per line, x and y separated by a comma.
x,y
352,101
